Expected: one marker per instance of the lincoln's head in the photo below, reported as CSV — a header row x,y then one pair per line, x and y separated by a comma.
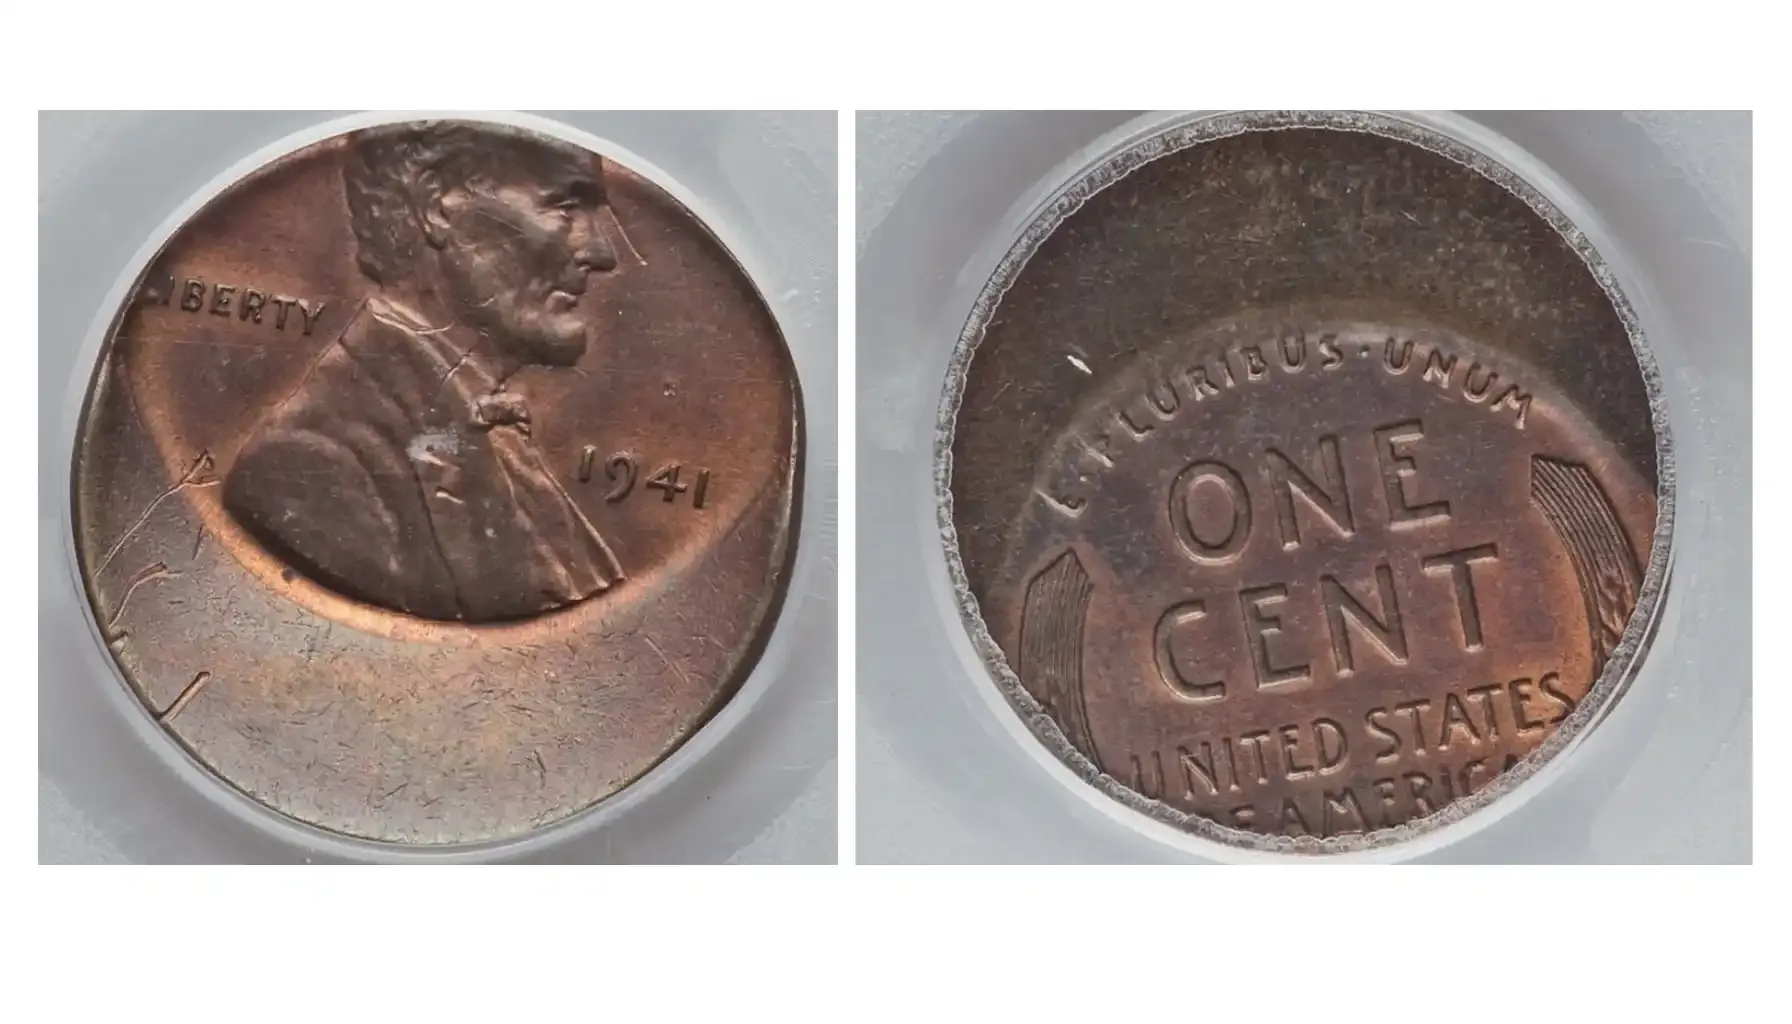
x,y
499,230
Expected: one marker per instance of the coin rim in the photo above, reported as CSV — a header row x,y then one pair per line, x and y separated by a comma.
x,y
1442,139
734,702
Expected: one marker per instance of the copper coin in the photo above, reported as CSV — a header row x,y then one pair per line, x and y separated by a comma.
x,y
1304,481
437,481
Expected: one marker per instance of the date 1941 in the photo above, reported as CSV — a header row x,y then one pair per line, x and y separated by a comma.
x,y
623,470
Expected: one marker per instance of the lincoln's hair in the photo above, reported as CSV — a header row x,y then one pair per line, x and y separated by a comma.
x,y
391,176
393,173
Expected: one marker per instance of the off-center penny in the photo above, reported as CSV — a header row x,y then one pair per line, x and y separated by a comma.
x,y
437,481
1304,480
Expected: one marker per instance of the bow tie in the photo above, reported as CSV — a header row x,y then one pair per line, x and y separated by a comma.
x,y
501,409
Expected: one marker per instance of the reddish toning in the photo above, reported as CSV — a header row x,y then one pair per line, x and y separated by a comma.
x,y
421,504
1345,525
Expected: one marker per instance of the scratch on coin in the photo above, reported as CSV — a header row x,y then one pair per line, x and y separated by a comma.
x,y
1078,363
187,479
679,672
155,571
185,698
623,232
215,343
458,363
701,637
541,768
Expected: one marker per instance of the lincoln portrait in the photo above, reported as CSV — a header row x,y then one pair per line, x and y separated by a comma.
x,y
401,470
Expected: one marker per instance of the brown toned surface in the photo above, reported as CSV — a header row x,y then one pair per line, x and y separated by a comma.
x,y
1305,480
436,485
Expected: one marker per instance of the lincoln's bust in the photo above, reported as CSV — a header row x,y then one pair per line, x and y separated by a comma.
x,y
400,471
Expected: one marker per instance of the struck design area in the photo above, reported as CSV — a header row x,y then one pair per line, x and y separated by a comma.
x,y
1051,648
1604,564
1334,605
402,470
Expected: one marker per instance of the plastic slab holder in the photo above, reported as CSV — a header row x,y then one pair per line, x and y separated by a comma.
x,y
756,783
948,771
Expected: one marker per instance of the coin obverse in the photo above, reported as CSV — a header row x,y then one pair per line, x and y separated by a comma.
x,y
437,481
1301,480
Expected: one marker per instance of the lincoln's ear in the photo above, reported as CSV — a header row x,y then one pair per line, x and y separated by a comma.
x,y
435,220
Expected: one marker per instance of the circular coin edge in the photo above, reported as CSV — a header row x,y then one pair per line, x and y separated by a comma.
x,y
708,732
1444,140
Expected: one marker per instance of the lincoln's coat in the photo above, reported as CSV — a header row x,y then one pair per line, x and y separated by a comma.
x,y
401,474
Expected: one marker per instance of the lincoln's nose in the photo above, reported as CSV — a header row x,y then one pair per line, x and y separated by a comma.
x,y
597,254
